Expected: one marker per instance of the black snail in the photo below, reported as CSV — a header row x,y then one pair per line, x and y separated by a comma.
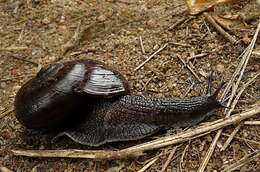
x,y
95,102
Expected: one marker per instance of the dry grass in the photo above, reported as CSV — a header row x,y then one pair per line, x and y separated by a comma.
x,y
123,34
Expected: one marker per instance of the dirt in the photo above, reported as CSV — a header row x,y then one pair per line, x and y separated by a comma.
x,y
43,32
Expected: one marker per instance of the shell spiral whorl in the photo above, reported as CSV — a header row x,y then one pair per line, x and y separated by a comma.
x,y
55,95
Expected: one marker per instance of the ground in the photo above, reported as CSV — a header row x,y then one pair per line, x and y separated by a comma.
x,y
34,33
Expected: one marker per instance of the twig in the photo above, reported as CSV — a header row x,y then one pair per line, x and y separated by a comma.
x,y
243,57
250,16
169,159
209,153
189,89
257,53
4,169
230,138
183,155
180,22
197,56
248,158
252,80
21,33
76,153
233,107
17,77
25,60
219,29
242,139
241,68
190,68
150,57
142,45
14,49
5,113
139,149
74,41
252,122
180,44
148,165
177,23
77,37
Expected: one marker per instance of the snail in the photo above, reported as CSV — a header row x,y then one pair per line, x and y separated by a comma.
x,y
91,104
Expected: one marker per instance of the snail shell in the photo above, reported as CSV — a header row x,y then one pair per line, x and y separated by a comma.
x,y
96,98
60,92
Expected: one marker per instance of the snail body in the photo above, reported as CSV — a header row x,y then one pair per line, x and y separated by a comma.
x,y
98,97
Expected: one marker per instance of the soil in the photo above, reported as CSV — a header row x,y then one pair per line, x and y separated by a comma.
x,y
34,33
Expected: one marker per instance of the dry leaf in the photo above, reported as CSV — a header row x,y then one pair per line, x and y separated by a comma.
x,y
198,6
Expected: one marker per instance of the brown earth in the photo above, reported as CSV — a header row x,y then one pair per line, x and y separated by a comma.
x,y
40,32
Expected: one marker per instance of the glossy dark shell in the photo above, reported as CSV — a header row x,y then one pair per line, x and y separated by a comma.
x,y
61,92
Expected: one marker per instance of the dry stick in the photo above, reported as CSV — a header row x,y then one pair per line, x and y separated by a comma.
x,y
4,169
238,69
219,29
16,77
241,68
197,56
77,37
169,159
189,89
243,161
180,44
230,138
238,82
190,68
183,154
148,165
233,107
156,156
252,122
139,149
250,16
177,23
242,139
252,80
74,41
2,115
214,143
149,58
257,53
252,149
14,49
142,45
25,60
75,153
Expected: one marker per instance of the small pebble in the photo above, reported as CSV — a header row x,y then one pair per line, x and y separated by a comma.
x,y
3,85
101,18
2,108
41,147
195,26
219,145
62,19
209,138
220,68
256,67
245,134
156,47
46,20
151,23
